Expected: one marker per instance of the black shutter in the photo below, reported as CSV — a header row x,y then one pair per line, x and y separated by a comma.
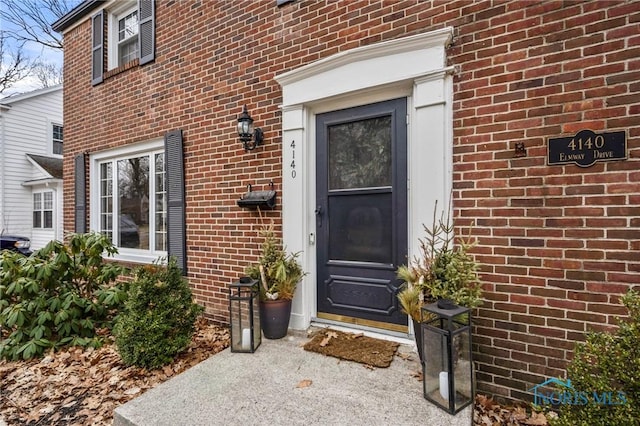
x,y
81,195
97,48
176,226
146,31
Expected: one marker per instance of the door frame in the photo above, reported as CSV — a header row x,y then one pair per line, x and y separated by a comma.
x,y
427,84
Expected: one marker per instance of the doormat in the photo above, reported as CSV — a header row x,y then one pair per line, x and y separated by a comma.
x,y
353,347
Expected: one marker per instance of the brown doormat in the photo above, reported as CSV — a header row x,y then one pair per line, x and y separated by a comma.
x,y
353,347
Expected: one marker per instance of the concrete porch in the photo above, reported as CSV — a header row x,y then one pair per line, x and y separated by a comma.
x,y
261,388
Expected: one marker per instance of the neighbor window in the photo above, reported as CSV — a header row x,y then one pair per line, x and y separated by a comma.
x,y
57,138
43,210
131,205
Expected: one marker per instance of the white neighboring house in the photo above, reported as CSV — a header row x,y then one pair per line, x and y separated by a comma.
x,y
31,140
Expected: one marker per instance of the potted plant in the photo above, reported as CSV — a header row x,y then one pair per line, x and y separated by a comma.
x,y
444,269
279,273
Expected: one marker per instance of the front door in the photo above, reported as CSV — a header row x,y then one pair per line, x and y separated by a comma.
x,y
361,213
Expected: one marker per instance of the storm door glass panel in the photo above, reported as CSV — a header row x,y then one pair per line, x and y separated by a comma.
x,y
133,202
360,154
106,199
361,227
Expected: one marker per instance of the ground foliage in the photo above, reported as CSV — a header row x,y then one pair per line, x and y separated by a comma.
x,y
59,296
607,363
79,386
488,412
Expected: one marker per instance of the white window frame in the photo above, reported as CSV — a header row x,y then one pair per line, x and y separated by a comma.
x,y
54,140
147,148
114,15
42,209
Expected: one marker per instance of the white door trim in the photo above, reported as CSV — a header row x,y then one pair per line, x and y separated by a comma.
x,y
413,67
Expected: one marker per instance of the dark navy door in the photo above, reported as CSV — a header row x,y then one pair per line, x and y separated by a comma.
x,y
361,213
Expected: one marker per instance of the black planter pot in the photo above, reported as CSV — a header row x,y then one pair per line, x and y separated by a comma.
x,y
274,318
417,331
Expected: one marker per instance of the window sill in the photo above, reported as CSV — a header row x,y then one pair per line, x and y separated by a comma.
x,y
138,258
122,68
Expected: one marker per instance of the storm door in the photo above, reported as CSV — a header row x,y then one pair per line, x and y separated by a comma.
x,y
361,213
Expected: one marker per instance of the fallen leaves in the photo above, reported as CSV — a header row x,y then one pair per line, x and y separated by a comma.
x,y
304,383
328,336
78,386
489,413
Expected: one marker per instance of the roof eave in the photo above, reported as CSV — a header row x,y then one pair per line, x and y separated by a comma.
x,y
75,15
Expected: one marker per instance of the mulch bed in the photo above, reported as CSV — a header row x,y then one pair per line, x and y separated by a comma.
x,y
353,347
487,412
80,386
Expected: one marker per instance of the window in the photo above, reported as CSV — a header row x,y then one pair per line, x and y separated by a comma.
x,y
131,204
122,38
127,37
43,210
130,35
57,138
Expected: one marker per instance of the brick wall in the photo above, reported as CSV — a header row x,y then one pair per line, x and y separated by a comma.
x,y
558,244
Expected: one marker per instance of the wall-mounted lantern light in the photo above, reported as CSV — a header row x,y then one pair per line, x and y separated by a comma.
x,y
249,136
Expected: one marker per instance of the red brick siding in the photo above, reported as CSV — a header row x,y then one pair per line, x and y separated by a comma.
x,y
558,244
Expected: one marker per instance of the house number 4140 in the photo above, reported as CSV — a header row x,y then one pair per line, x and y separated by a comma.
x,y
293,159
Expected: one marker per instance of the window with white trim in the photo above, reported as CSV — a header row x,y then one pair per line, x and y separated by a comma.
x,y
131,205
130,35
43,210
123,34
57,138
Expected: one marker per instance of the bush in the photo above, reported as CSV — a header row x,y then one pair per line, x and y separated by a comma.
x,y
443,270
58,296
609,364
158,318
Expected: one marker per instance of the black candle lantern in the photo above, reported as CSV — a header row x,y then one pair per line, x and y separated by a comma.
x,y
447,363
244,315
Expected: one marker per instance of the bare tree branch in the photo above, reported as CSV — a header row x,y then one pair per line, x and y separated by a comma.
x,y
31,20
14,66
47,73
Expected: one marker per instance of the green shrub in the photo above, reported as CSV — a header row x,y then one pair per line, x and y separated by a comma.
x,y
58,296
609,364
158,318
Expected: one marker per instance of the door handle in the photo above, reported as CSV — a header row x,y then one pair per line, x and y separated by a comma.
x,y
319,215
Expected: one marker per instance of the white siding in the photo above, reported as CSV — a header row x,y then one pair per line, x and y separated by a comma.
x,y
25,128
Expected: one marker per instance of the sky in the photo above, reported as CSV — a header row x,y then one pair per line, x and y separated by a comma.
x,y
34,51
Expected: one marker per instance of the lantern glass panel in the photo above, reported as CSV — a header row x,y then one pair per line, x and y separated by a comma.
x,y
436,368
236,325
245,127
462,368
257,327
